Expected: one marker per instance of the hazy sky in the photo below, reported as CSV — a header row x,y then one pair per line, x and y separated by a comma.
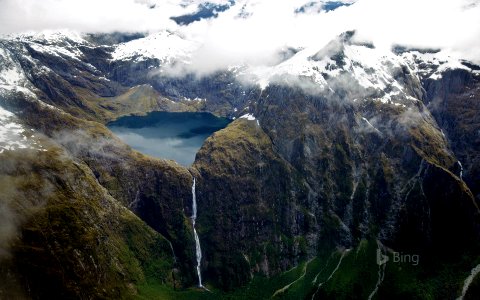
x,y
271,25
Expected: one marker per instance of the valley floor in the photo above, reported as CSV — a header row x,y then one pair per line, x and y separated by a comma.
x,y
341,274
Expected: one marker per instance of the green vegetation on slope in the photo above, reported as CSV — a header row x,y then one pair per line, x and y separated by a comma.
x,y
341,274
69,237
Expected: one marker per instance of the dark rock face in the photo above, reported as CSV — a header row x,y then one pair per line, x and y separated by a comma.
x,y
157,191
453,101
220,90
72,240
205,10
250,219
347,179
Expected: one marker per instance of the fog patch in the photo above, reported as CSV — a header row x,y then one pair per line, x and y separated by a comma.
x,y
178,149
23,192
81,143
9,222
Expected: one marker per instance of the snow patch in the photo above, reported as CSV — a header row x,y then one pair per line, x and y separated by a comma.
x,y
12,77
10,72
64,51
63,43
249,117
14,136
165,46
364,70
433,65
50,36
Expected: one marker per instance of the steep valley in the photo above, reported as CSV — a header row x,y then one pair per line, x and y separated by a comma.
x,y
294,197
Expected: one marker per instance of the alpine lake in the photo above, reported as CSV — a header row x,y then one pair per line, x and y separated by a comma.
x,y
167,135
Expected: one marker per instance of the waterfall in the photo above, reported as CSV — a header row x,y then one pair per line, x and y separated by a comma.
x,y
304,272
381,269
333,272
461,169
198,250
135,202
173,252
475,271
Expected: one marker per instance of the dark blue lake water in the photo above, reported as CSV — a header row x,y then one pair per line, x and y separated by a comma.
x,y
176,136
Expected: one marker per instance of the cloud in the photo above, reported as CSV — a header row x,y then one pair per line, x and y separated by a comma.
x,y
451,25
17,202
8,229
271,26
254,32
87,15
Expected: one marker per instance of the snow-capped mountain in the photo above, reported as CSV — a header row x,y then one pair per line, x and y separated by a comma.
x,y
165,46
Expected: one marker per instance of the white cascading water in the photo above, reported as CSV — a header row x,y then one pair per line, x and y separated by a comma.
x,y
461,169
283,289
475,271
381,270
333,273
198,250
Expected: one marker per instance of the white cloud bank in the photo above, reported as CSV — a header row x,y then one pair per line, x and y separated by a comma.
x,y
270,26
86,15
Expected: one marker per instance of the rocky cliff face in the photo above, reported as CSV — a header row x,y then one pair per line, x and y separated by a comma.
x,y
344,179
155,190
328,151
453,102
359,162
65,236
254,228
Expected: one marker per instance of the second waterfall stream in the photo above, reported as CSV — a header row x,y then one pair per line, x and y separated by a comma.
x,y
198,250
